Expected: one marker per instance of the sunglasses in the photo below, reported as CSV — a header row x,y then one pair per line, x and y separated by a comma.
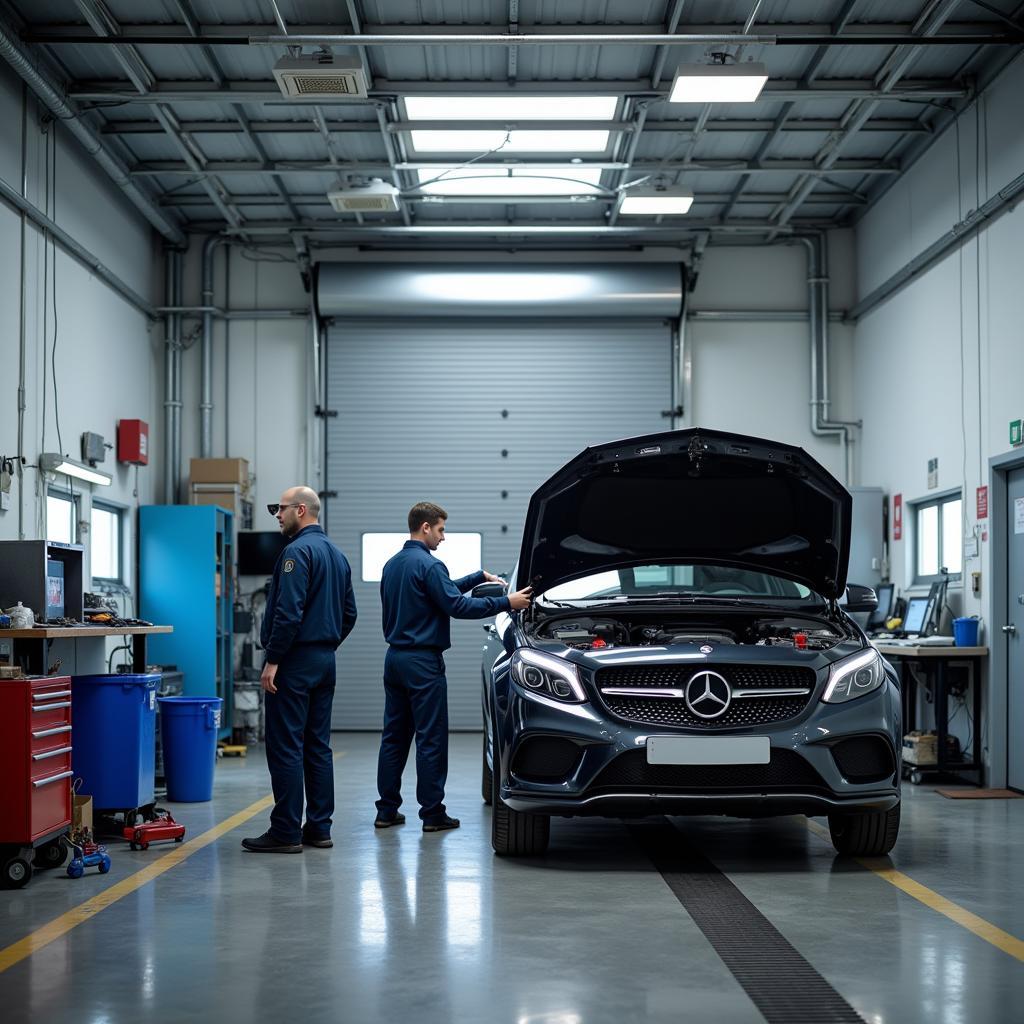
x,y
274,509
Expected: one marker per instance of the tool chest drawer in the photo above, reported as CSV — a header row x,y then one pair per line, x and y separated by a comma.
x,y
35,757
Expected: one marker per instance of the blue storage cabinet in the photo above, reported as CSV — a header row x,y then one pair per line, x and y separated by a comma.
x,y
186,579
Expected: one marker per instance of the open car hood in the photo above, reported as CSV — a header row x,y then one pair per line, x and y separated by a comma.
x,y
689,496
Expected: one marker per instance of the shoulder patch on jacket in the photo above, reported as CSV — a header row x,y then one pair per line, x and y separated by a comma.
x,y
289,565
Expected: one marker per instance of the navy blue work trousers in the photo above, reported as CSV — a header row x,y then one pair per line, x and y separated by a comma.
x,y
415,705
298,720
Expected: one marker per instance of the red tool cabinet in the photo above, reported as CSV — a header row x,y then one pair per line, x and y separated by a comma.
x,y
35,760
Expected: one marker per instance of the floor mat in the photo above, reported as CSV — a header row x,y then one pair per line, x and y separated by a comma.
x,y
979,794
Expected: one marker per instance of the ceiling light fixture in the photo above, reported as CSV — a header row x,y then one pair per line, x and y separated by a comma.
x,y
718,83
52,462
511,108
655,202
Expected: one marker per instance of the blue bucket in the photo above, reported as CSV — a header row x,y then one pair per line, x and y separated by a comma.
x,y
965,631
114,738
189,728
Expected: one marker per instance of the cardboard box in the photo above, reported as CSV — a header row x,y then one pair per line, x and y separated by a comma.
x,y
920,748
220,471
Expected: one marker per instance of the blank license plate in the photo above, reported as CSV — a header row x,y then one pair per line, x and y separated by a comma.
x,y
708,750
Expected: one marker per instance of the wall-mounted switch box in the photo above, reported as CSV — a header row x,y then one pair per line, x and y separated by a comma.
x,y
976,583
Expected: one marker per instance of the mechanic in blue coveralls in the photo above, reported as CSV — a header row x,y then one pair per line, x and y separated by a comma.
x,y
310,610
419,599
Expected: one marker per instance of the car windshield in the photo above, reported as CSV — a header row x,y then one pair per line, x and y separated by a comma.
x,y
682,581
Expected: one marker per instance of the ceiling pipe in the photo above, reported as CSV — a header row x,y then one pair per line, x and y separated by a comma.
x,y
29,68
329,39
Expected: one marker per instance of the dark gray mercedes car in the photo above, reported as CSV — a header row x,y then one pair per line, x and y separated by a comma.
x,y
688,651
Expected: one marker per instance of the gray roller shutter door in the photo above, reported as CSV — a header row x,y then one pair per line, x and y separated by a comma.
x,y
474,416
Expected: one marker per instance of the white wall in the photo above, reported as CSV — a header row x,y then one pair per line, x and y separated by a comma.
x,y
108,358
754,378
939,367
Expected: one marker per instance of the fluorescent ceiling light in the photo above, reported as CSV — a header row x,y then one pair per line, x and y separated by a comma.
x,y
52,462
519,141
516,181
511,108
718,83
653,202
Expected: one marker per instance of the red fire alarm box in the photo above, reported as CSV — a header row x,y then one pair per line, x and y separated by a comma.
x,y
133,442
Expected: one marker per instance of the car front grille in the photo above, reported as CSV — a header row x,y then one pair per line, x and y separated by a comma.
x,y
630,772
742,712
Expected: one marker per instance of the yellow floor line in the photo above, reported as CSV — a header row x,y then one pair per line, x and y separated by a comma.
x,y
60,926
978,925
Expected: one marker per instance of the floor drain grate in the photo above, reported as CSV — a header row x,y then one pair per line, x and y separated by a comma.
x,y
780,982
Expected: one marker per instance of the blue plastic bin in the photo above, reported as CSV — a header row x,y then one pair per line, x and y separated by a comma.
x,y
189,730
114,738
965,631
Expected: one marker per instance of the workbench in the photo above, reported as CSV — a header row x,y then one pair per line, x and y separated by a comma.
x,y
33,645
934,661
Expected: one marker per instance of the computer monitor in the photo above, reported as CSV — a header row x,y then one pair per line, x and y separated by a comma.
x,y
916,621
879,616
258,551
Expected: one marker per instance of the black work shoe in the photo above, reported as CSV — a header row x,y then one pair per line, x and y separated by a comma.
x,y
321,842
267,843
398,819
441,824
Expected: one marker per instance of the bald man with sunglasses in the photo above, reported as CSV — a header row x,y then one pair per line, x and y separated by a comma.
x,y
310,610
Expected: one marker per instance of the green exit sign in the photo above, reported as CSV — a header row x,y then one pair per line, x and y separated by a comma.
x,y
1016,433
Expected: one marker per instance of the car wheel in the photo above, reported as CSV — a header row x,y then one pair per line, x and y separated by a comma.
x,y
516,833
872,834
51,855
486,782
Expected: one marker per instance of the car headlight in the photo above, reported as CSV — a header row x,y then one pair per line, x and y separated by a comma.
x,y
544,673
854,677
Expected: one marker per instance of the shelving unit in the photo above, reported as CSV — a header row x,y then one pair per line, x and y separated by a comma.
x,y
186,578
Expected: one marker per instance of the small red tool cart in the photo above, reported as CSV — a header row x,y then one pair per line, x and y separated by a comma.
x,y
163,826
35,766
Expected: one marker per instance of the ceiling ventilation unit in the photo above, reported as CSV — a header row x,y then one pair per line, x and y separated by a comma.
x,y
321,76
375,197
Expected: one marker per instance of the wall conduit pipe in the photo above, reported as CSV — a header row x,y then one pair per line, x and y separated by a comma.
x,y
818,311
206,381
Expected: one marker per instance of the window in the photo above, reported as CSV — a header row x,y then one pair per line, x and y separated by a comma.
x,y
938,530
105,534
62,517
461,552
536,180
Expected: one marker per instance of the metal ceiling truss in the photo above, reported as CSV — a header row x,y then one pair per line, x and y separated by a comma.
x,y
640,118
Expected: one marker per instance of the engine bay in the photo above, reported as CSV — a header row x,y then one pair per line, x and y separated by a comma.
x,y
649,629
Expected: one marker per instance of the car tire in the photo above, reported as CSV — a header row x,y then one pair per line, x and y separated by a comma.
x,y
872,834
516,833
486,782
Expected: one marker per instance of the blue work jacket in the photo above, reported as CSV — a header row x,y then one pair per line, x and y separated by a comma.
x,y
420,599
311,599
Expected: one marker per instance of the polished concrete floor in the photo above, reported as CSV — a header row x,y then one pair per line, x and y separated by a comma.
x,y
401,926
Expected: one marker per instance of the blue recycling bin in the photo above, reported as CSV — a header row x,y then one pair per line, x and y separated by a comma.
x,y
113,738
188,727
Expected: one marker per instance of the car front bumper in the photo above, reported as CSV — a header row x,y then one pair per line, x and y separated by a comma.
x,y
611,778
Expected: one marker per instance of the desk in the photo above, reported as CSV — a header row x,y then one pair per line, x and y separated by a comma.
x,y
27,642
935,661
